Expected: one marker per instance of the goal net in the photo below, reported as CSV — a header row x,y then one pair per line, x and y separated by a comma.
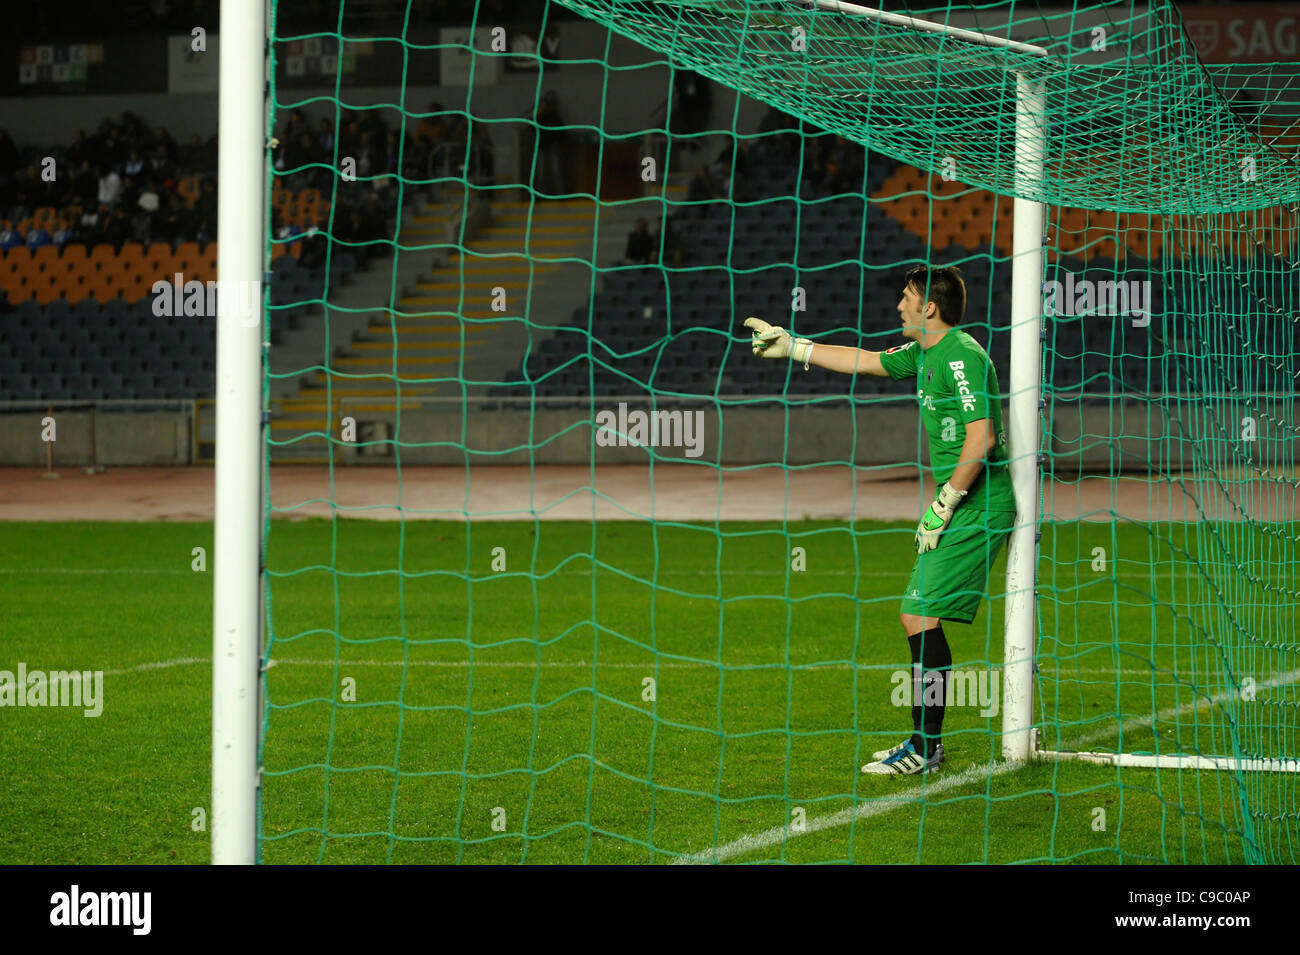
x,y
589,582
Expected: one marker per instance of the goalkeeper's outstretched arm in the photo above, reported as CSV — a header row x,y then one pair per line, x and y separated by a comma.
x,y
769,341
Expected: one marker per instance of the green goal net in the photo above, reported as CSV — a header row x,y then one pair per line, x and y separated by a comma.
x,y
584,580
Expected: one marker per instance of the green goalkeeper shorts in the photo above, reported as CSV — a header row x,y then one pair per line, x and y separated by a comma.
x,y
950,581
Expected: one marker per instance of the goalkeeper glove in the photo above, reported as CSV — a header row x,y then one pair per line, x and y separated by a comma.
x,y
769,341
937,517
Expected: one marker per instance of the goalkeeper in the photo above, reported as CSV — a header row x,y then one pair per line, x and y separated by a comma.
x,y
960,534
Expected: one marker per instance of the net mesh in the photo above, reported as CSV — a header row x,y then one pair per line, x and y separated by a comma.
x,y
473,680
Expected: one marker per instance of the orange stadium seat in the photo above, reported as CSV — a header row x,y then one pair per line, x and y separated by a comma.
x,y
46,258
47,290
131,252
187,258
100,256
74,287
105,287
158,256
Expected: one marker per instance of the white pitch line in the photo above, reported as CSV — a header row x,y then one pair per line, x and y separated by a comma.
x,y
864,810
974,773
665,665
159,665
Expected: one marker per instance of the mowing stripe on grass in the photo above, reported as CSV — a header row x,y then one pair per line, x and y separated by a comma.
x,y
587,664
540,574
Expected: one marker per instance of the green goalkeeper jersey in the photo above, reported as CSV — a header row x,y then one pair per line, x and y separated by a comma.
x,y
957,384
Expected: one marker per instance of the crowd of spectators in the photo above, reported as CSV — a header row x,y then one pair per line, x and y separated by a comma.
x,y
368,156
121,183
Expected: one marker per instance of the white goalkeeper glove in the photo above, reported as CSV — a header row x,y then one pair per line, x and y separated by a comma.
x,y
770,341
937,517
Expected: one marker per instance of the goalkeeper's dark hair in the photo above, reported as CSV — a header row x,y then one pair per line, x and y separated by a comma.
x,y
943,286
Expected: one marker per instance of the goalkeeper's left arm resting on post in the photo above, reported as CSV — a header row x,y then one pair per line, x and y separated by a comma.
x,y
979,442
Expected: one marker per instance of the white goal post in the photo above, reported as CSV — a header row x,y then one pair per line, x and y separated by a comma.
x,y
236,552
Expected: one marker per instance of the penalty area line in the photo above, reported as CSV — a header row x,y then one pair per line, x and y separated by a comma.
x,y
865,810
882,804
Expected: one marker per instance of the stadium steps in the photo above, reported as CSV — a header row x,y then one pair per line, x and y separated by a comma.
x,y
428,315
300,402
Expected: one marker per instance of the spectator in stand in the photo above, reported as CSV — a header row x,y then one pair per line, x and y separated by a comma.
x,y
176,223
149,203
27,192
66,232
113,228
672,244
191,157
352,229
80,151
85,185
842,166
38,236
160,163
205,208
640,245
325,138
693,101
164,142
295,125
552,147
110,149
303,157
392,153
433,128
315,244
349,136
91,217
10,238
134,164
10,158
205,211
134,133
482,158
110,186
366,156
702,191
731,168
129,195
378,224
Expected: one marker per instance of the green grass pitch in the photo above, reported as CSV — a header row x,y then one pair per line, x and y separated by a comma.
x,y
426,707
